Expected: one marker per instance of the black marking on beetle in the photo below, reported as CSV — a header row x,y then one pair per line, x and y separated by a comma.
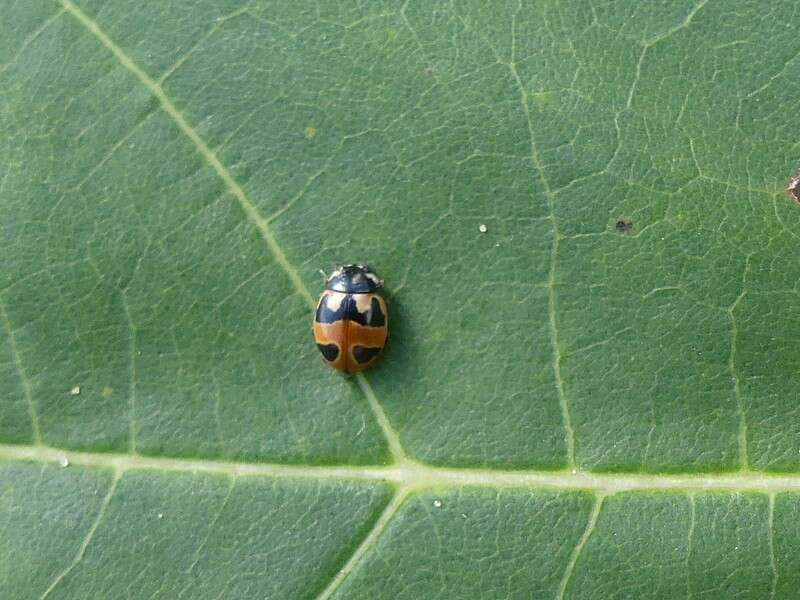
x,y
363,354
374,317
348,309
329,351
326,315
793,188
353,279
623,226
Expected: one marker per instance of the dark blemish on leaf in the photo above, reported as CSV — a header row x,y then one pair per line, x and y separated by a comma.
x,y
623,226
793,188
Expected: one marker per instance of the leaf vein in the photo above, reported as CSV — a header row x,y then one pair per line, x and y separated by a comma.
x,y
131,371
742,436
23,377
199,551
247,206
418,476
569,433
576,552
30,39
689,541
773,563
368,542
89,535
680,26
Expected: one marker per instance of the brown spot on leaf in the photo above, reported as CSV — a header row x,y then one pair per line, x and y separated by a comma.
x,y
793,189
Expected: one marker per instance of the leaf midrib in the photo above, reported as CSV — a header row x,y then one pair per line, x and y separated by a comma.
x,y
413,475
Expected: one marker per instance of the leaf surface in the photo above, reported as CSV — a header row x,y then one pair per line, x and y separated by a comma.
x,y
590,385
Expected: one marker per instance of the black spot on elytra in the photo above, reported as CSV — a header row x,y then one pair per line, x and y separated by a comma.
x,y
623,226
329,351
326,315
363,354
374,317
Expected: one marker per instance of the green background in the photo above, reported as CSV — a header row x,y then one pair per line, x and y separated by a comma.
x,y
566,408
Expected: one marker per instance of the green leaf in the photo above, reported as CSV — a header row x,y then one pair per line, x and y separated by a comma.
x,y
578,208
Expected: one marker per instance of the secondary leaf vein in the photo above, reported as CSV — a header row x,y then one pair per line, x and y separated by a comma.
x,y
247,206
198,554
576,552
689,541
23,377
89,535
569,433
771,533
31,38
367,543
742,437
131,372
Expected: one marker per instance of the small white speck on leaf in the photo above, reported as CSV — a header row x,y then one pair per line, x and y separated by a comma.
x,y
64,461
483,228
160,515
463,515
437,503
75,390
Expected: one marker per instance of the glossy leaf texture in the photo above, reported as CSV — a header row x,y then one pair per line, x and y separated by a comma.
x,y
590,388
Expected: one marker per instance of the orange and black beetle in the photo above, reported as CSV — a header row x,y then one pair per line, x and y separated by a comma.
x,y
351,323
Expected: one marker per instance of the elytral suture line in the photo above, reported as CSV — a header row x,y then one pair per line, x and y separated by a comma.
x,y
248,206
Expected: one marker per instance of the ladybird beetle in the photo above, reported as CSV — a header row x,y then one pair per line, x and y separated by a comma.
x,y
351,323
